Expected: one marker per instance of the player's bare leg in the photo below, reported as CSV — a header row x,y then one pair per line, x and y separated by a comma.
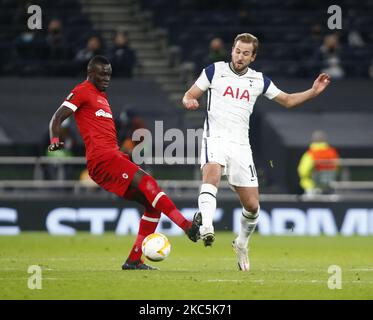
x,y
211,174
249,197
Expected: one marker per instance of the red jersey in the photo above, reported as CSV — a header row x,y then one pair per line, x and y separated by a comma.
x,y
94,118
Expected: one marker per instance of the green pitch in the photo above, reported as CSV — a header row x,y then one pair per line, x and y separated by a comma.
x,y
88,267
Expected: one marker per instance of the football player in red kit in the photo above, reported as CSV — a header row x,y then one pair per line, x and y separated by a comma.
x,y
110,168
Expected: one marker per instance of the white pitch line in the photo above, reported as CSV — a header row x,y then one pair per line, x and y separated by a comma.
x,y
58,259
360,269
284,281
261,281
265,281
233,280
25,279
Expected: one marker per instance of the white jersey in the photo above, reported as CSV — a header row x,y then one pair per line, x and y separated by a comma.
x,y
230,100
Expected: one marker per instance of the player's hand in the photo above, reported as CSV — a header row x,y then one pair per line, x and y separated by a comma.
x,y
56,146
321,83
191,104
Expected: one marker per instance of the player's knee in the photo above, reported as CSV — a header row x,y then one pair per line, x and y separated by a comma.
x,y
148,183
149,187
252,207
211,173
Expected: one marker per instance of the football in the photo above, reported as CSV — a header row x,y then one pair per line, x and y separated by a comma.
x,y
156,247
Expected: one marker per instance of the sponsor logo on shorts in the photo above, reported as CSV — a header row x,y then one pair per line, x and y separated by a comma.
x,y
102,113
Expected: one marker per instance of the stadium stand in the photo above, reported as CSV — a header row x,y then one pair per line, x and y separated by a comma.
x,y
27,51
285,31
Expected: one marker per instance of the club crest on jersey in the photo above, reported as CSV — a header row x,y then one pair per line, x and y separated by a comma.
x,y
237,93
102,101
102,113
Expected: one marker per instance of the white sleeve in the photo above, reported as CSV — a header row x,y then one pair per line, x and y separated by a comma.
x,y
272,91
202,82
70,105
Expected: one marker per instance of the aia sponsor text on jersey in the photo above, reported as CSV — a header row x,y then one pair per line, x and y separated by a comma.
x,y
237,93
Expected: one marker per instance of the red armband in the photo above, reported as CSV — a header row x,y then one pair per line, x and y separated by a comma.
x,y
55,140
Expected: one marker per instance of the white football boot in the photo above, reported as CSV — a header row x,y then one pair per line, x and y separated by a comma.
x,y
242,256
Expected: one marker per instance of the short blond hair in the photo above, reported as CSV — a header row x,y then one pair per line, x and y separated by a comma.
x,y
247,38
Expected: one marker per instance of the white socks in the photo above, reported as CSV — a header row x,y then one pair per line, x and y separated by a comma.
x,y
207,207
249,220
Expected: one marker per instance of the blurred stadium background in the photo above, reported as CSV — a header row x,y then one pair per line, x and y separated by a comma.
x,y
161,47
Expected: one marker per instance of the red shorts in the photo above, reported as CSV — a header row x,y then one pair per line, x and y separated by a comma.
x,y
113,172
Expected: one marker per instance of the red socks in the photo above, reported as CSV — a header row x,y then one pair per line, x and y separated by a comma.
x,y
159,200
148,224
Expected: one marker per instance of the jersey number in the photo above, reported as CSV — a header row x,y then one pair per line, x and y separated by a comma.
x,y
252,170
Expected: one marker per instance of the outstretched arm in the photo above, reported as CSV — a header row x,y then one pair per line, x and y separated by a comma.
x,y
59,116
191,96
290,100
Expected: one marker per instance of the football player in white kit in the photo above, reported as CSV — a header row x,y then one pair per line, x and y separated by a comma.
x,y
232,91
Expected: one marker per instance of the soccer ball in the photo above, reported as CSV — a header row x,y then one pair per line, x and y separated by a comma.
x,y
156,247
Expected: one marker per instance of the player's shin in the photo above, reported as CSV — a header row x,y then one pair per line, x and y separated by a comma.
x,y
160,201
249,220
207,207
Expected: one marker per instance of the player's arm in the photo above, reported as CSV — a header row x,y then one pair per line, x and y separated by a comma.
x,y
290,100
59,116
190,99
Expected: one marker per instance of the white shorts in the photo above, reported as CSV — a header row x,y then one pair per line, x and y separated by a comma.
x,y
237,160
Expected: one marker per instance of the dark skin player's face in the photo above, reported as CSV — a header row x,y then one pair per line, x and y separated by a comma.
x,y
100,76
